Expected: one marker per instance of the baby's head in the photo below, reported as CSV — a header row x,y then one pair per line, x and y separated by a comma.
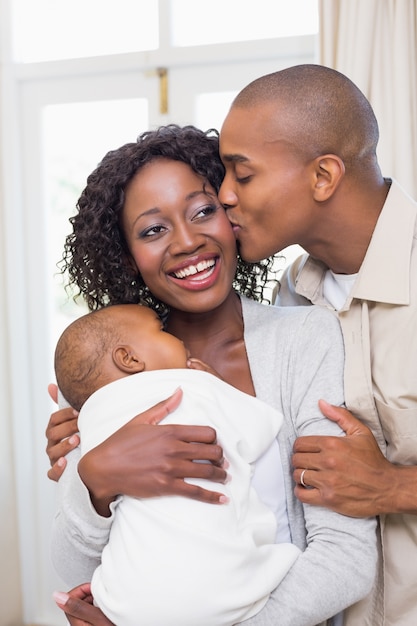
x,y
111,343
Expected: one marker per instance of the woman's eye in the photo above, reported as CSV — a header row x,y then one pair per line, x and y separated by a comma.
x,y
151,230
209,209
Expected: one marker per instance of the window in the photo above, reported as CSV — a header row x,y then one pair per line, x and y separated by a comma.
x,y
198,23
48,30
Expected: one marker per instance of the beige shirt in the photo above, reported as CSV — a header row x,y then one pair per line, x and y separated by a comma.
x,y
379,325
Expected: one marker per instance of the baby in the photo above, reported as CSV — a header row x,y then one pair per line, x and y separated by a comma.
x,y
172,560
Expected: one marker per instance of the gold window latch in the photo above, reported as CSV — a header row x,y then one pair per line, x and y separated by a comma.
x,y
163,89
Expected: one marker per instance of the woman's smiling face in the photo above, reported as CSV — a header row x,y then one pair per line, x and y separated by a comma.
x,y
179,236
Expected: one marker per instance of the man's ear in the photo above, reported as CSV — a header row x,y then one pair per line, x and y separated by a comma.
x,y
328,173
126,360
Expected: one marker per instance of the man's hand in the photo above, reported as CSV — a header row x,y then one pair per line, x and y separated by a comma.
x,y
78,607
348,474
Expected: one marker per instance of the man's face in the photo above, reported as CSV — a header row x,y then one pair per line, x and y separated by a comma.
x,y
266,189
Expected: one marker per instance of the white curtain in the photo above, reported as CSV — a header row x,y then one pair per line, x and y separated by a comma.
x,y
374,42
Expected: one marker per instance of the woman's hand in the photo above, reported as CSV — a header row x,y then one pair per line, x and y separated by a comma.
x,y
61,435
143,460
78,607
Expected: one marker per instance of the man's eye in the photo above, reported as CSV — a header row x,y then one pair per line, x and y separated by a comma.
x,y
242,179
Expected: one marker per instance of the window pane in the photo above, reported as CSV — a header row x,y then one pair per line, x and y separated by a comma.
x,y
46,30
200,23
212,108
75,139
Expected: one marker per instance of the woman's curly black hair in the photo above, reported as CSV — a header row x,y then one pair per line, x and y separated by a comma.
x,y
96,258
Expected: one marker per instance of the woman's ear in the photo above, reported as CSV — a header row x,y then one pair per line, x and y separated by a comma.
x,y
328,173
129,261
126,360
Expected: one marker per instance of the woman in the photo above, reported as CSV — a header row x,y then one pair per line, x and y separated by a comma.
x,y
150,229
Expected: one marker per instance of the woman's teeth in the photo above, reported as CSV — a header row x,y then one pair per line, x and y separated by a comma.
x,y
194,269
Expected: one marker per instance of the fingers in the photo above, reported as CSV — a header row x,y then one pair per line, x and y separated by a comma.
x,y
195,492
61,418
213,469
83,592
62,424
305,477
207,450
194,443
171,403
157,413
57,456
57,469
61,434
309,455
206,470
78,607
347,422
61,449
313,451
197,364
309,495
53,392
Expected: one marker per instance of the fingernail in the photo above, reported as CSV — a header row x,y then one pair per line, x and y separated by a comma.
x,y
61,462
223,499
73,439
60,597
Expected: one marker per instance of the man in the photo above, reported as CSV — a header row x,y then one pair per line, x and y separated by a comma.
x,y
299,147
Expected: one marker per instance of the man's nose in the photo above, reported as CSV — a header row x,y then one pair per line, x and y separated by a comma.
x,y
227,194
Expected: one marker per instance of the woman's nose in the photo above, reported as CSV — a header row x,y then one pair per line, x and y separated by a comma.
x,y
186,239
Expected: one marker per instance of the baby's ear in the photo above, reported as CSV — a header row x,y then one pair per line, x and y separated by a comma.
x,y
126,360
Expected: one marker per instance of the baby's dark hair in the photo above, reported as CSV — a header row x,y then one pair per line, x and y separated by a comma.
x,y
96,257
79,355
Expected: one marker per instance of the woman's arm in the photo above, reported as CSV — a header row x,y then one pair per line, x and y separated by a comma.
x,y
79,533
338,566
336,570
